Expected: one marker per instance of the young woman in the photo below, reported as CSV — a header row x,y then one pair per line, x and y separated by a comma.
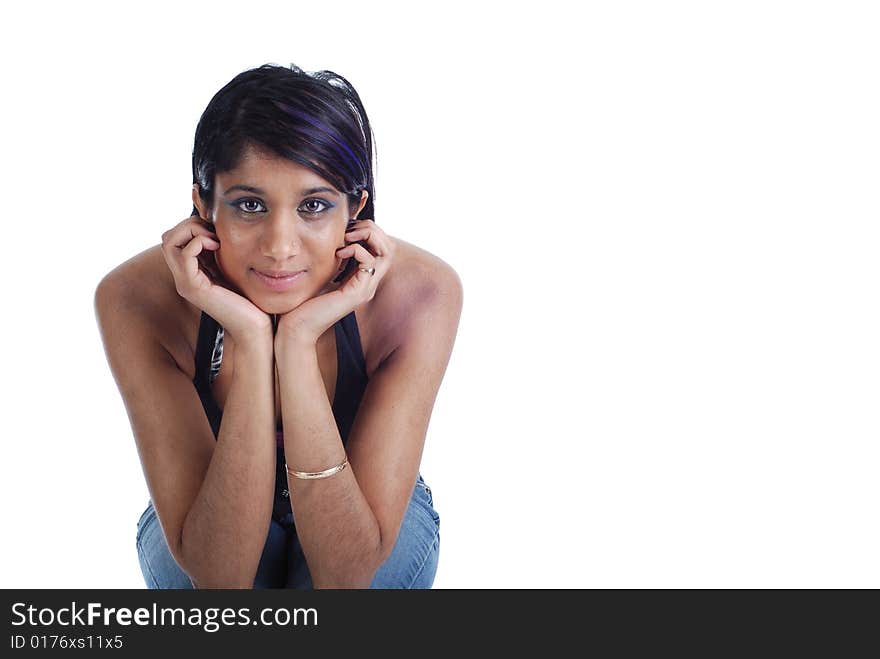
x,y
279,356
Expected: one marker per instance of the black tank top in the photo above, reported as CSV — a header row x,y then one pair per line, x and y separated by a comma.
x,y
351,381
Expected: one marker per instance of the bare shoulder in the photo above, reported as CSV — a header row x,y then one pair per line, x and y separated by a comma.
x,y
420,287
418,273
142,289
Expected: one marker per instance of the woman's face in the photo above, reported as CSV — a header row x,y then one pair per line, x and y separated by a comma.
x,y
270,216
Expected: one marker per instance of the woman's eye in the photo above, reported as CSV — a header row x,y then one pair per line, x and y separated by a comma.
x,y
247,205
309,206
254,206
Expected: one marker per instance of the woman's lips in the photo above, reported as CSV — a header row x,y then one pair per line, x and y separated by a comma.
x,y
279,284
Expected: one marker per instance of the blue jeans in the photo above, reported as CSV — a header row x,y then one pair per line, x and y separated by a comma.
x,y
412,563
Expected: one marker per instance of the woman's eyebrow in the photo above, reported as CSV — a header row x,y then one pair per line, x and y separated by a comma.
x,y
307,191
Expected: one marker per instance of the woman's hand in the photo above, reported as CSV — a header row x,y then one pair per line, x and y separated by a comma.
x,y
198,279
312,318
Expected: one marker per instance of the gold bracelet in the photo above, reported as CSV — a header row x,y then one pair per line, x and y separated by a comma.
x,y
317,474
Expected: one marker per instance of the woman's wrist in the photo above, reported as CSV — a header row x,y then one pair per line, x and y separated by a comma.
x,y
290,346
255,344
292,336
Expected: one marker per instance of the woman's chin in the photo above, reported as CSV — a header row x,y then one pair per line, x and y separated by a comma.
x,y
276,306
281,302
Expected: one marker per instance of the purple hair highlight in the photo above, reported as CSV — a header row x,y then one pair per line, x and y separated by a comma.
x,y
322,129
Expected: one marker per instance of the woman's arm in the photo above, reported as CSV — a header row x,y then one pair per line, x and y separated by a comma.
x,y
225,531
336,527
348,523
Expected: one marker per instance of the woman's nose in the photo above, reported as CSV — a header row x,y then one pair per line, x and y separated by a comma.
x,y
280,239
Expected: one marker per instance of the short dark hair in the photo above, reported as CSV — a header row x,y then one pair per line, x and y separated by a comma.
x,y
315,119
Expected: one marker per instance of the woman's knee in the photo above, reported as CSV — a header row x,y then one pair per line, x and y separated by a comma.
x,y
158,566
161,571
412,563
414,559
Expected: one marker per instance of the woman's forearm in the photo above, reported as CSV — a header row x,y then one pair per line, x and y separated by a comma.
x,y
336,527
225,531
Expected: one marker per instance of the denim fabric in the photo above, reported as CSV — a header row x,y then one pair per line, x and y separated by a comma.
x,y
412,563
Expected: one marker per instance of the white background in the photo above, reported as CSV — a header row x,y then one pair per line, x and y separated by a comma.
x,y
665,218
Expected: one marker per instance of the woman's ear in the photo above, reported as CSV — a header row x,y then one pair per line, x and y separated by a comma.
x,y
204,213
363,202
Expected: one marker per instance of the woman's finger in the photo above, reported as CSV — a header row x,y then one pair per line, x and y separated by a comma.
x,y
178,238
184,232
377,240
359,252
190,255
197,244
